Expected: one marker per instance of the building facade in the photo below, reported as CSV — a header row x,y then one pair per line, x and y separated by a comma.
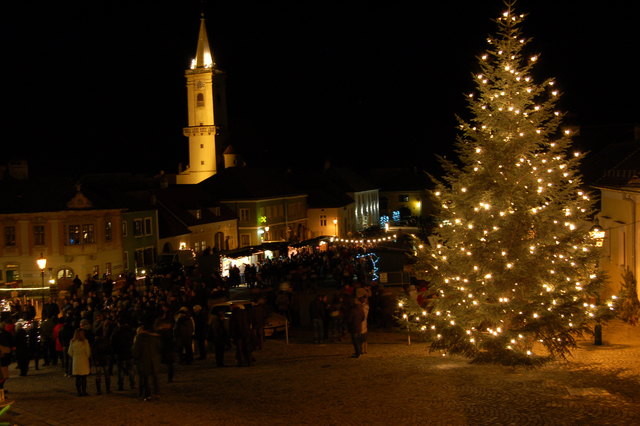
x,y
80,240
270,219
618,218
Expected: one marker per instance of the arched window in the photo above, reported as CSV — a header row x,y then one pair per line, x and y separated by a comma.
x,y
200,99
65,272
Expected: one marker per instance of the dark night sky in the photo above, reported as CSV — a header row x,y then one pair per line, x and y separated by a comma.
x,y
99,85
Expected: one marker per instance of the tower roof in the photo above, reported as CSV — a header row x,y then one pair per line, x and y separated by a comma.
x,y
204,58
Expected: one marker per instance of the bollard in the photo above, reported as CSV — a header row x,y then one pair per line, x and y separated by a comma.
x,y
597,332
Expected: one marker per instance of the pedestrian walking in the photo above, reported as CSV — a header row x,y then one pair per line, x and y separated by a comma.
x,y
121,345
21,343
200,322
183,331
259,314
364,301
101,355
147,348
240,330
80,353
219,335
317,312
65,334
164,327
355,316
47,342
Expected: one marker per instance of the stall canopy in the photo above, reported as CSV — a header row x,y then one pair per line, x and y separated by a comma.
x,y
250,250
310,242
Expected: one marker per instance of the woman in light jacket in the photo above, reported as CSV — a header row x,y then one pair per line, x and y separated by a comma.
x,y
80,353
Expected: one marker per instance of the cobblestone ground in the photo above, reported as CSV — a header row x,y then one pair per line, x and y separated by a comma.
x,y
395,383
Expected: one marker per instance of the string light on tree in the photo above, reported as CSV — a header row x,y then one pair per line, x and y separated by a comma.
x,y
514,222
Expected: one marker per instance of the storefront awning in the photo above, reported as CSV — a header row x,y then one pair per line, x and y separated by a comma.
x,y
310,242
250,250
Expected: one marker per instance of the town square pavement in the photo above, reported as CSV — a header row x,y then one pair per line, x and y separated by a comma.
x,y
397,382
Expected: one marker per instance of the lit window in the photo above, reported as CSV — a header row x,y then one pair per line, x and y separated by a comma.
x,y
73,234
88,235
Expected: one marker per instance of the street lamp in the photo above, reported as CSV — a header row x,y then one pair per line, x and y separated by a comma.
x,y
597,233
42,264
335,227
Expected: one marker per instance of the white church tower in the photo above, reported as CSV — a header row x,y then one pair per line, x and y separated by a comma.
x,y
201,130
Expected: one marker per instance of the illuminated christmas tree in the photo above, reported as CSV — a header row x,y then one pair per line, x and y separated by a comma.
x,y
512,263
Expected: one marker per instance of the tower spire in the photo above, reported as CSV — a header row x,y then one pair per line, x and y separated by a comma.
x,y
201,129
204,58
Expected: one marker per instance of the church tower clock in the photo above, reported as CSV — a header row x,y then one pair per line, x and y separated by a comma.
x,y
201,129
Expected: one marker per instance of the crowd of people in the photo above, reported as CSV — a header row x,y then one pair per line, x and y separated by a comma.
x,y
133,331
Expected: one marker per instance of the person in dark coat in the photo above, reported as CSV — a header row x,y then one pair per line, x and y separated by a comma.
x,y
121,345
317,312
50,309
65,335
355,317
21,342
164,327
240,331
101,354
218,335
200,321
47,341
259,312
147,348
34,336
183,333
77,284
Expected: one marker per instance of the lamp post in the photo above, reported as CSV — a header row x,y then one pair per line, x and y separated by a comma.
x,y
598,234
335,227
42,264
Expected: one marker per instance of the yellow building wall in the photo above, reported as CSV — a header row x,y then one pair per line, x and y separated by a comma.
x,y
81,258
618,217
